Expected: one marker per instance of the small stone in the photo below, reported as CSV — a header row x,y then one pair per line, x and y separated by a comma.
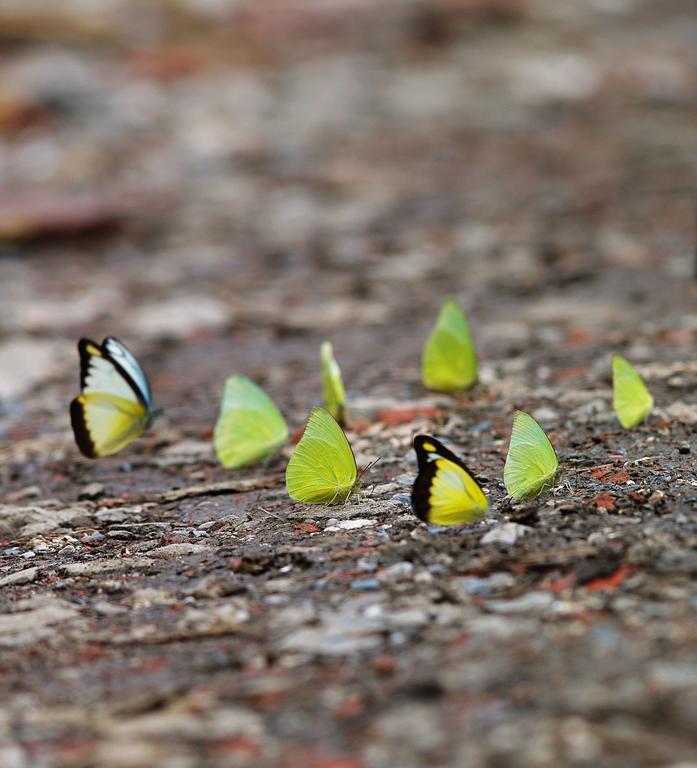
x,y
366,565
25,576
398,571
489,585
532,602
119,514
217,585
351,525
30,492
91,491
92,567
28,555
12,552
365,585
105,608
120,535
147,597
279,585
423,577
179,550
506,533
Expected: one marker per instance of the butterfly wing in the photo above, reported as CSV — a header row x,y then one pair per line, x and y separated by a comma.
x,y
333,391
449,362
250,427
113,409
322,469
444,492
120,355
531,465
631,399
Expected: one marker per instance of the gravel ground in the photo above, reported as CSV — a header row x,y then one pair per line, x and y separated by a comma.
x,y
225,184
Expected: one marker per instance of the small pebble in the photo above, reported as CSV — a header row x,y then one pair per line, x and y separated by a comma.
x,y
91,491
29,555
119,534
12,552
398,571
365,585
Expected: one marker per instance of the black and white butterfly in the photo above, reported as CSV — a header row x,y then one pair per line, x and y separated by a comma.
x,y
115,403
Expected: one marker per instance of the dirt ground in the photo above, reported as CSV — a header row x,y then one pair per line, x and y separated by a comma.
x,y
223,185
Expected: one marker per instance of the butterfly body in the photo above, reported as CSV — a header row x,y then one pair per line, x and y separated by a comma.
x,y
322,469
444,492
531,466
115,404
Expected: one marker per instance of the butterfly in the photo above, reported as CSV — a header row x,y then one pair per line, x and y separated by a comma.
x,y
332,385
322,469
444,492
115,404
531,465
631,399
250,427
449,362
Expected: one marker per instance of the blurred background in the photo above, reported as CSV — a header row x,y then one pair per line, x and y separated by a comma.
x,y
249,170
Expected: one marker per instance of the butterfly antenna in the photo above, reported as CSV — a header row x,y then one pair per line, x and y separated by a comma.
x,y
368,467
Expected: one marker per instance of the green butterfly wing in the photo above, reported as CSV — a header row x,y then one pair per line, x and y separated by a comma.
x,y
322,469
250,427
449,362
631,399
332,386
531,464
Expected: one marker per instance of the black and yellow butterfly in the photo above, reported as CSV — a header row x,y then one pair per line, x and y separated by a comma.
x,y
115,404
444,492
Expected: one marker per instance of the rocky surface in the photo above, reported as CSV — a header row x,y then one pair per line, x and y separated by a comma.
x,y
223,185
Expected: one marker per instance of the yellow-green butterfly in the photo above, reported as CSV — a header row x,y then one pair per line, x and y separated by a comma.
x,y
531,465
322,469
115,403
250,427
444,492
449,362
332,386
631,399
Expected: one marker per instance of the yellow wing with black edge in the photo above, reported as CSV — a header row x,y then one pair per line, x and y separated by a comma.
x,y
115,404
444,492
